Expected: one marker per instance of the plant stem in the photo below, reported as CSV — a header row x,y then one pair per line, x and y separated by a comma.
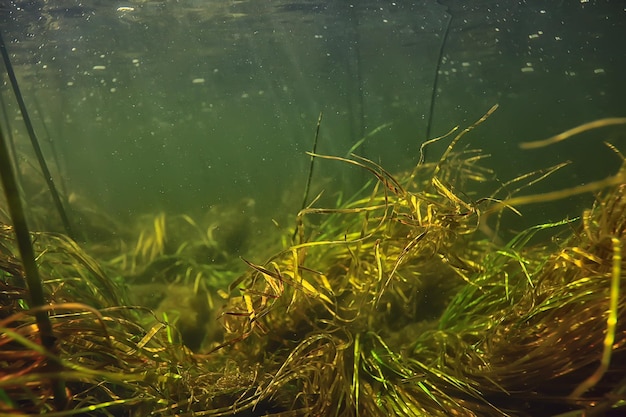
x,y
35,287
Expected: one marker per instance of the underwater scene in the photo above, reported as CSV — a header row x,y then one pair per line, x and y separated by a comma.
x,y
313,208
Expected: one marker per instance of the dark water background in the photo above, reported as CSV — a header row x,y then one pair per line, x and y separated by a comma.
x,y
182,105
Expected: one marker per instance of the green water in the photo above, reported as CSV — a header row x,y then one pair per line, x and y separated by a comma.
x,y
149,109
186,105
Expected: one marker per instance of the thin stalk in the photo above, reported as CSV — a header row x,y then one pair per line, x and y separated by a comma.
x,y
433,96
33,281
33,139
308,181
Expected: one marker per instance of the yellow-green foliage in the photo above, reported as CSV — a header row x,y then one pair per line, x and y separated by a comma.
x,y
401,301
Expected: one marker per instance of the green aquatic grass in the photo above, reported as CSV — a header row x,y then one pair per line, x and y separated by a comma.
x,y
402,300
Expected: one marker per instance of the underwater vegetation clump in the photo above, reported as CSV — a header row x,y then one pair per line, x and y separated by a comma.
x,y
403,300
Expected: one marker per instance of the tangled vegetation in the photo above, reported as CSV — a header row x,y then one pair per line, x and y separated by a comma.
x,y
401,301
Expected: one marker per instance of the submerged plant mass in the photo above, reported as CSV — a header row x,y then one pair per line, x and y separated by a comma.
x,y
407,300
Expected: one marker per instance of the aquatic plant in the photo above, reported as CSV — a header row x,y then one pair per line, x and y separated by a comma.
x,y
400,301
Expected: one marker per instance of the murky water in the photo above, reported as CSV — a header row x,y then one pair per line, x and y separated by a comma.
x,y
177,134
182,105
